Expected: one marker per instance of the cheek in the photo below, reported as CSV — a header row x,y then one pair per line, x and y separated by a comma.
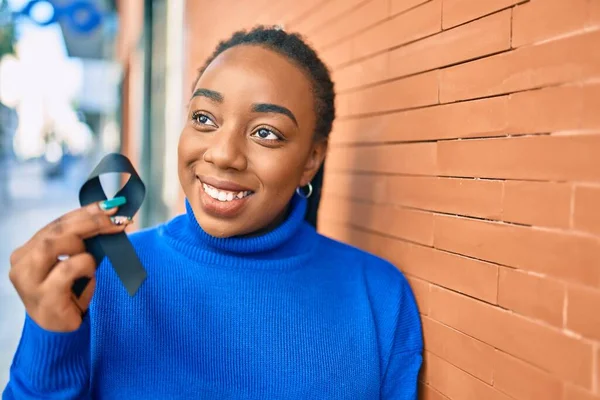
x,y
186,158
279,171
188,149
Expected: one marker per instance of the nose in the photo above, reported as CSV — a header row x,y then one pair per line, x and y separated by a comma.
x,y
226,151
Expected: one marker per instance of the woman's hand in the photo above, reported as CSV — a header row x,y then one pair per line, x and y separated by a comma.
x,y
44,269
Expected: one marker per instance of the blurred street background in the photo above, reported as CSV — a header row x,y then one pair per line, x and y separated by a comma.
x,y
58,104
60,111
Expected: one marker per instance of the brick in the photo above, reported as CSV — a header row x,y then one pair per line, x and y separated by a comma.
x,y
414,159
342,104
415,91
403,223
582,311
586,216
407,27
370,188
463,351
481,198
523,381
371,70
545,110
549,349
531,296
424,373
593,14
537,203
561,255
364,16
483,37
380,246
561,61
540,20
426,392
295,11
420,289
457,12
473,277
324,14
597,365
272,13
480,118
457,384
334,229
559,157
398,6
591,104
575,393
337,55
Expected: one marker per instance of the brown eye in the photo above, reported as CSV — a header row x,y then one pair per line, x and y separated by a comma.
x,y
202,119
266,134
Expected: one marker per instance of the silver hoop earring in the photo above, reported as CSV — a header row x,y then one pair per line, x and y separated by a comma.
x,y
305,195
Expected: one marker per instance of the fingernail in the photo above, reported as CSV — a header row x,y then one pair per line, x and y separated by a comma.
x,y
120,220
112,203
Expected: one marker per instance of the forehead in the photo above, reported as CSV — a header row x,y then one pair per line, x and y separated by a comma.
x,y
250,73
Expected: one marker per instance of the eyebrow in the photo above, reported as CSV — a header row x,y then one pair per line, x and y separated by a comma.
x,y
258,107
274,108
211,94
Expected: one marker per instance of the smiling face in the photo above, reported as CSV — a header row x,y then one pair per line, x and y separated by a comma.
x,y
248,142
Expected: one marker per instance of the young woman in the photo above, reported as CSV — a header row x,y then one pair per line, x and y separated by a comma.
x,y
243,298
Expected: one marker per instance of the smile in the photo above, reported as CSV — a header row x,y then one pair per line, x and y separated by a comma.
x,y
224,195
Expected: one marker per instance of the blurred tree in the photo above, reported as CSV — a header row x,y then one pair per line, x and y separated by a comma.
x,y
7,29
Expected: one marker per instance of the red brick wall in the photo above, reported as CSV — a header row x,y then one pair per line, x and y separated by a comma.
x,y
467,152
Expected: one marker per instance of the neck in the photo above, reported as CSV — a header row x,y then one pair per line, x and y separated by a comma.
x,y
281,245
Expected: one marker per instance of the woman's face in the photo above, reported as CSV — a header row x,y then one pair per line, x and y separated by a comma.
x,y
248,142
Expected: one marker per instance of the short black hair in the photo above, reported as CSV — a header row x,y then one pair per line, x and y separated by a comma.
x,y
294,47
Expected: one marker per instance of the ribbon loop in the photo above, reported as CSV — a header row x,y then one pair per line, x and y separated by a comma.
x,y
117,247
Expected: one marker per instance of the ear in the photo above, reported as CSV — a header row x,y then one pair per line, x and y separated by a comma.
x,y
314,161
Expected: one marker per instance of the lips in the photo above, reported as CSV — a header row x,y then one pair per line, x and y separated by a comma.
x,y
223,195
223,185
222,199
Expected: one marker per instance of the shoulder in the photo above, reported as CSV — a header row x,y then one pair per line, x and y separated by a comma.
x,y
378,272
391,298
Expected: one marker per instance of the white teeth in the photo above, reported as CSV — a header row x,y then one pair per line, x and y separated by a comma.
x,y
223,195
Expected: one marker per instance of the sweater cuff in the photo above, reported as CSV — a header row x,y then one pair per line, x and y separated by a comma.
x,y
53,360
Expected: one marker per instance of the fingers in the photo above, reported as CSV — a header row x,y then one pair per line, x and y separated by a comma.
x,y
85,222
44,281
38,262
61,278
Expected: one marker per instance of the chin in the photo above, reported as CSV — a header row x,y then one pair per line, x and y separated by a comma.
x,y
219,229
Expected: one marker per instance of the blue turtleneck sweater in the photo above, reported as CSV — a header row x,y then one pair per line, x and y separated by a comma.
x,y
287,315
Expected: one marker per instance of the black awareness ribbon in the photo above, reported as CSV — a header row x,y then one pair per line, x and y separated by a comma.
x,y
116,247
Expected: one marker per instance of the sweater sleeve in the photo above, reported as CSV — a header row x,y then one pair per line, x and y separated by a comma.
x,y
406,355
50,365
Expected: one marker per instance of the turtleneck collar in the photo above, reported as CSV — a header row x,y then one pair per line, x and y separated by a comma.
x,y
283,247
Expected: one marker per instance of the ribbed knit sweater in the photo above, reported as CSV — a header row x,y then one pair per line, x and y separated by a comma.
x,y
290,314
